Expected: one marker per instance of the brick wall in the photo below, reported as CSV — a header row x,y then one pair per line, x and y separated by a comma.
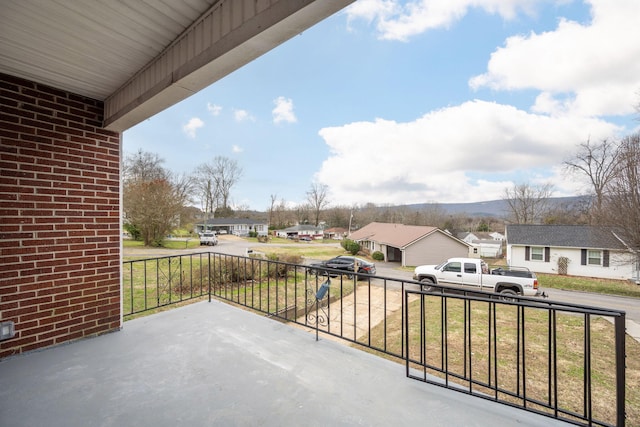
x,y
59,217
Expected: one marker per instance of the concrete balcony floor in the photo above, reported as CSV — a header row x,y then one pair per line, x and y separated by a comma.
x,y
211,364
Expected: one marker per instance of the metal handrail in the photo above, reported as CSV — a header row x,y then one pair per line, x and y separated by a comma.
x,y
394,317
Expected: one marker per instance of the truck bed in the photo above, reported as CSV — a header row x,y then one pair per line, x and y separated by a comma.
x,y
513,271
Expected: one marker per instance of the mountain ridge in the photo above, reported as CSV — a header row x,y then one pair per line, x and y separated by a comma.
x,y
490,208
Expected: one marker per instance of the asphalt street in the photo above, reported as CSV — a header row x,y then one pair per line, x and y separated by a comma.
x,y
235,246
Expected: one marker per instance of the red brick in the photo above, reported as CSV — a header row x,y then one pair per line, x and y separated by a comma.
x,y
59,201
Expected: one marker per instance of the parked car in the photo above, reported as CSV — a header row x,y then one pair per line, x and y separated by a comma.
x,y
343,265
208,239
305,239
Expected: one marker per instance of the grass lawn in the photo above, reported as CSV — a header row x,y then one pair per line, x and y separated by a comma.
x,y
309,251
503,365
589,284
167,244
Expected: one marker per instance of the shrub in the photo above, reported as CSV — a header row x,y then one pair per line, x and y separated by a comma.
x,y
253,234
282,270
133,231
378,256
351,246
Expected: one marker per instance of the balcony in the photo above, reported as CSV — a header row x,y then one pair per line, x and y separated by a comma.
x,y
296,357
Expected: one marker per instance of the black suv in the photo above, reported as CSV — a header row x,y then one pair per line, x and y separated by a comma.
x,y
345,265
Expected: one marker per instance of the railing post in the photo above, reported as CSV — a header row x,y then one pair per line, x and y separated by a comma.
x,y
620,324
209,273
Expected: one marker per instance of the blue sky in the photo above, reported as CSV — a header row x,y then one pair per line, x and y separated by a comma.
x,y
399,102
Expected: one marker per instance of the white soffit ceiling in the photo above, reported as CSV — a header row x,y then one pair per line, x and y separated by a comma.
x,y
89,47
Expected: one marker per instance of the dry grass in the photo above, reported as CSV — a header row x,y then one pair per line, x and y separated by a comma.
x,y
507,365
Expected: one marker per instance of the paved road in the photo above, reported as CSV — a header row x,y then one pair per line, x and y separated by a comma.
x,y
235,246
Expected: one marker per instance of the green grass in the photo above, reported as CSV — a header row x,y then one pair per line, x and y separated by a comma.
x,y
315,252
155,283
166,244
504,361
589,284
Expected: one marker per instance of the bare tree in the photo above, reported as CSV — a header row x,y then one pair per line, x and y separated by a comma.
x,y
214,183
527,204
317,198
272,207
623,192
143,166
228,173
598,163
281,217
433,215
183,186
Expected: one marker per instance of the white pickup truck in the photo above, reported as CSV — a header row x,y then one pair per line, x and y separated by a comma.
x,y
474,274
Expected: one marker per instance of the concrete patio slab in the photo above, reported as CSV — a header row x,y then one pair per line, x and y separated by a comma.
x,y
212,364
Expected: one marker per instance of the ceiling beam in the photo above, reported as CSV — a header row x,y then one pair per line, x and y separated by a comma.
x,y
229,35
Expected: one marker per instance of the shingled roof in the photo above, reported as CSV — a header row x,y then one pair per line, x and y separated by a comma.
x,y
574,236
396,235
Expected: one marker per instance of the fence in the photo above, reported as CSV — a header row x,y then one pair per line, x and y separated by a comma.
x,y
560,360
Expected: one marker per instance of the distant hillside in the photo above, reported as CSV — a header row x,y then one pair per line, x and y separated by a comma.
x,y
492,208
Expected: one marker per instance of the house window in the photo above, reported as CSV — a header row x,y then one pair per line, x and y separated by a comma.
x,y
594,257
537,254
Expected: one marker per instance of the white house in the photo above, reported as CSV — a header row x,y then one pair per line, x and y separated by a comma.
x,y
483,244
301,230
237,226
577,250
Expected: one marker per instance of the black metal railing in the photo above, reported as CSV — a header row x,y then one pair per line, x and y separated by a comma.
x,y
150,284
564,361
539,355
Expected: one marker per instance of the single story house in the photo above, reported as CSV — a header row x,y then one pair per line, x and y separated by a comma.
x,y
301,230
335,233
484,244
410,245
577,250
237,226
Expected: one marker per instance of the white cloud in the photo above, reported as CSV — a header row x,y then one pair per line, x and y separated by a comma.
x,y
214,109
283,111
464,153
587,69
242,116
192,126
237,149
397,21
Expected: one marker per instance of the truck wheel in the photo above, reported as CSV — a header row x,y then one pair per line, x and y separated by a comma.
x,y
508,294
427,284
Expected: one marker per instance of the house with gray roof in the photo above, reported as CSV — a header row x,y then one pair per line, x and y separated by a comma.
x,y
237,226
577,250
301,230
410,245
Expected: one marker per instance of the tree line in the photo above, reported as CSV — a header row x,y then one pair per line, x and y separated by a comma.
x,y
157,201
